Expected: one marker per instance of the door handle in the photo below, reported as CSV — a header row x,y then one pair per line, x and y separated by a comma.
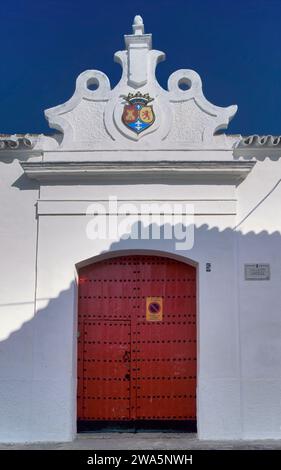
x,y
127,376
126,356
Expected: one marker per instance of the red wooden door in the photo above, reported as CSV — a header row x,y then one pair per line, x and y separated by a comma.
x,y
137,340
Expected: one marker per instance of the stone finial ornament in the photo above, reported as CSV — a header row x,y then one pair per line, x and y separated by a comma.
x,y
138,26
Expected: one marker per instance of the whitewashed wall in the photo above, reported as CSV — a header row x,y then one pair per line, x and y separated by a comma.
x,y
259,240
17,295
238,332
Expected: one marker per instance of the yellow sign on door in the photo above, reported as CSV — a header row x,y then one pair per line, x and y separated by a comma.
x,y
154,308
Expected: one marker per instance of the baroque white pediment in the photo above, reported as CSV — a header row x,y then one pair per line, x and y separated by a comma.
x,y
125,118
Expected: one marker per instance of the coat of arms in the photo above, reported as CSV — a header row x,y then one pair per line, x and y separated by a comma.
x,y
137,115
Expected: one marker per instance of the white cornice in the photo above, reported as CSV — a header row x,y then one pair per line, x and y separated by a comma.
x,y
193,171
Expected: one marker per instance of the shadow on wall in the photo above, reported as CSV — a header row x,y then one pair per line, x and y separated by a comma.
x,y
37,384
38,361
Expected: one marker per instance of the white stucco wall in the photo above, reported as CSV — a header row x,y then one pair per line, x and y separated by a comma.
x,y
238,320
259,229
17,294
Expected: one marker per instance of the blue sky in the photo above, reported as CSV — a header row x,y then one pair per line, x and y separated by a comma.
x,y
234,45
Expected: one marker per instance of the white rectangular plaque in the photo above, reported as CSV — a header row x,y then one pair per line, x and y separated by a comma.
x,y
257,272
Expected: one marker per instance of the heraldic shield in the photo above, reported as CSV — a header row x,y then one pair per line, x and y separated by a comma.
x,y
137,115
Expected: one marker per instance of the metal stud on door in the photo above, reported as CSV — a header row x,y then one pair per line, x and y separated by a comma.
x,y
137,344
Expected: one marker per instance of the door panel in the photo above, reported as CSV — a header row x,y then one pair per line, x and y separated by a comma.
x,y
106,371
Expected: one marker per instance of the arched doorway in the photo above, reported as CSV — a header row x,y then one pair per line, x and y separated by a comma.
x,y
137,342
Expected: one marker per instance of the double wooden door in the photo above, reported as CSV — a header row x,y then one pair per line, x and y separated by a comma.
x,y
137,340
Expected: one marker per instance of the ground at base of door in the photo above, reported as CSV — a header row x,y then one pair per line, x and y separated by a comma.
x,y
147,441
